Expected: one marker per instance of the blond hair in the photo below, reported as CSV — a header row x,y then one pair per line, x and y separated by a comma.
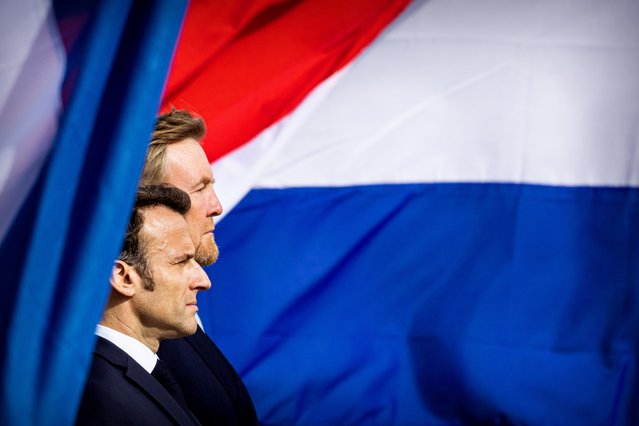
x,y
174,126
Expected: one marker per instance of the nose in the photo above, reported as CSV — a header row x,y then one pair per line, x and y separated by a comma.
x,y
200,280
214,206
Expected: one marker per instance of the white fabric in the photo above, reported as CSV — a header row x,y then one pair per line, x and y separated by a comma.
x,y
133,347
32,62
199,321
540,92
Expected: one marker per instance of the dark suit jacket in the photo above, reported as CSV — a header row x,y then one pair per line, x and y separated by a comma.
x,y
120,392
212,388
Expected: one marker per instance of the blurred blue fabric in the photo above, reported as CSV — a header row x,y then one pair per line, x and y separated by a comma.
x,y
58,253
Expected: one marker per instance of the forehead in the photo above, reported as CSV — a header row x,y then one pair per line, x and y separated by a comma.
x,y
187,165
165,234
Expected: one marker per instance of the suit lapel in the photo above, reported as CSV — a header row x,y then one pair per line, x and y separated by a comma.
x,y
205,347
138,375
228,379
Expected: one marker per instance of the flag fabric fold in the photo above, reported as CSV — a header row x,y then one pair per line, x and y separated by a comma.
x,y
259,59
59,249
445,230
431,209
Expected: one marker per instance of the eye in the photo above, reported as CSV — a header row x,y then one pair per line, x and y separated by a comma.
x,y
202,188
184,261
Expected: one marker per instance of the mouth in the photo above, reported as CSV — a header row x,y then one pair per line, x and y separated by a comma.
x,y
192,305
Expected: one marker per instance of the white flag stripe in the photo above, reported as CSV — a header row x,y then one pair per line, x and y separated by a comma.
x,y
540,93
31,69
243,168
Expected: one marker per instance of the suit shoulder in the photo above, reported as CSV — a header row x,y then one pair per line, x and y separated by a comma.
x,y
109,398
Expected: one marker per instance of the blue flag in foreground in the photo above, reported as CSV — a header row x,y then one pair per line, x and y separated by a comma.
x,y
446,232
84,157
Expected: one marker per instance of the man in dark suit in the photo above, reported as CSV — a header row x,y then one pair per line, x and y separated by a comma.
x,y
154,288
213,389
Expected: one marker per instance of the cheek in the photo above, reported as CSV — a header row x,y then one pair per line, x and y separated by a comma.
x,y
202,204
169,286
176,295
193,221
197,212
191,214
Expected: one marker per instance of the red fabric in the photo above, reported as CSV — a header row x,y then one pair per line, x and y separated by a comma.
x,y
244,65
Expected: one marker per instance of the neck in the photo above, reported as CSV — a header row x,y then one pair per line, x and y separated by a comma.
x,y
129,326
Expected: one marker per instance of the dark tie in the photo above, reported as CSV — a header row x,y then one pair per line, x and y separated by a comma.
x,y
163,375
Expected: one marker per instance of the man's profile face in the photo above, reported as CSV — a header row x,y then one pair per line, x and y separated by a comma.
x,y
168,311
189,170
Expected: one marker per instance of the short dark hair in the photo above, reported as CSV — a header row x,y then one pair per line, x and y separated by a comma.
x,y
133,249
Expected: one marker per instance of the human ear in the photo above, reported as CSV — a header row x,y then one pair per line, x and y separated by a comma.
x,y
123,278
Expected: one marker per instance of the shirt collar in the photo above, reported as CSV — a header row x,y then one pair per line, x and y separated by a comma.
x,y
133,347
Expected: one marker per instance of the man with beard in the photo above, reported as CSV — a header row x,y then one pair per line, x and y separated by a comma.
x,y
213,389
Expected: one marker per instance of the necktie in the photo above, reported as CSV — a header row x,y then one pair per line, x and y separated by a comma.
x,y
162,374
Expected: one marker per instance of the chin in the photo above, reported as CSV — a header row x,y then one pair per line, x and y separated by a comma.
x,y
182,330
207,254
191,329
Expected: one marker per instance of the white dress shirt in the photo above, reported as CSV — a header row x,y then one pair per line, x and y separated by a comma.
x,y
133,347
199,321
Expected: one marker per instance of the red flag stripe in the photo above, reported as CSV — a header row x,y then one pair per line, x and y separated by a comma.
x,y
244,67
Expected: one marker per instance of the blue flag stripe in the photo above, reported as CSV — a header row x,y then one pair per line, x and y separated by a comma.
x,y
432,303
